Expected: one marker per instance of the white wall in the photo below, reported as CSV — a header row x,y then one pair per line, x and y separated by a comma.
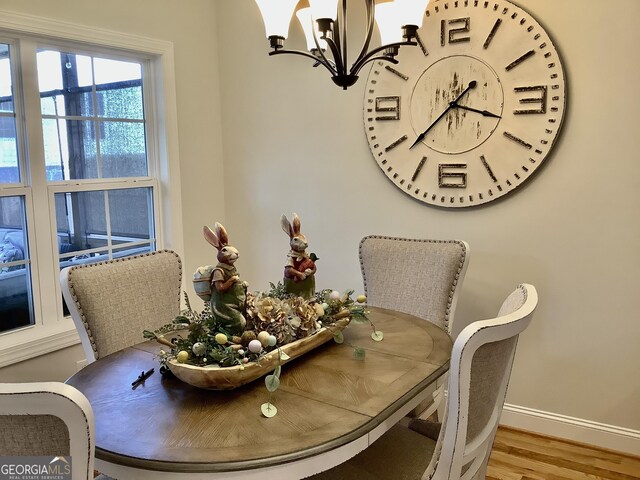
x,y
295,142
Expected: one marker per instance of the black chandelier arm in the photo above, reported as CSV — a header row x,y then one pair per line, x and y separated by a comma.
x,y
355,68
370,24
323,58
320,61
341,67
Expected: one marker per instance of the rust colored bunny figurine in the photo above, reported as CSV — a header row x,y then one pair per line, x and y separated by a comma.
x,y
299,273
228,293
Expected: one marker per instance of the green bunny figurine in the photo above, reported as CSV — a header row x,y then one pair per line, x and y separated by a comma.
x,y
228,293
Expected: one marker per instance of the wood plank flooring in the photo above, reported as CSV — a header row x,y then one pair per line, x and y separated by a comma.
x,y
520,455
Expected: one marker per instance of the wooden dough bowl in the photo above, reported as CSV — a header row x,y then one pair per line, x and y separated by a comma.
x,y
215,377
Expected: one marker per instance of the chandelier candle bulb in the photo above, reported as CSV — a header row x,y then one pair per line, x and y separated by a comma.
x,y
389,22
412,11
276,16
324,9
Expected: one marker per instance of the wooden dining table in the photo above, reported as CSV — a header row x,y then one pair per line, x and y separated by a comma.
x,y
331,405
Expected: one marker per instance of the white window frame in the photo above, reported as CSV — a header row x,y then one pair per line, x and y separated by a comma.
x,y
51,330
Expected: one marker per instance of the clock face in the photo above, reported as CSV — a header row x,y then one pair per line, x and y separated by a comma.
x,y
470,113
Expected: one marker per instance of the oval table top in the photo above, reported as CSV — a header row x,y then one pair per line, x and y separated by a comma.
x,y
326,399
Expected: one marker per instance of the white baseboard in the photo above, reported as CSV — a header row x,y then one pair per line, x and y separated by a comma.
x,y
570,428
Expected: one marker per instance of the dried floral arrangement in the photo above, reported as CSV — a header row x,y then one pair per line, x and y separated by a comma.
x,y
274,319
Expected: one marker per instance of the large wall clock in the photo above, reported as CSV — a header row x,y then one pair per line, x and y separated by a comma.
x,y
471,113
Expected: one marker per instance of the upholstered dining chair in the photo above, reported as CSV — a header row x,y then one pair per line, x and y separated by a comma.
x,y
419,277
481,364
48,419
112,302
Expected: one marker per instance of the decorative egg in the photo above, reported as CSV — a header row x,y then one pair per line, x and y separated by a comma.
x,y
361,298
247,336
335,295
272,340
245,360
241,352
199,348
182,356
255,346
221,338
264,338
325,306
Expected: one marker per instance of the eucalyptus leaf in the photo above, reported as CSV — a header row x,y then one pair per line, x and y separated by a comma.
x,y
284,356
268,409
272,382
338,337
277,371
359,319
149,334
377,336
358,353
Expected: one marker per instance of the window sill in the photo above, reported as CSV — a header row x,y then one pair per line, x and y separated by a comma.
x,y
37,340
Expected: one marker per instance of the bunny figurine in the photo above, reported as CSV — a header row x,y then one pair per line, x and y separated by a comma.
x,y
228,293
300,269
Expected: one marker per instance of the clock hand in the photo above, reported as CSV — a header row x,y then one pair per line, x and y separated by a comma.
x,y
472,84
483,112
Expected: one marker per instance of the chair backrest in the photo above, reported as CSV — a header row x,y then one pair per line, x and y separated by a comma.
x,y
48,419
478,378
419,277
112,302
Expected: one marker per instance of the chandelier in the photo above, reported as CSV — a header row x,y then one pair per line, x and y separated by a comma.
x,y
325,27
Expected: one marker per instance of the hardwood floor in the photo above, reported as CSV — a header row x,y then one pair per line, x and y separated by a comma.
x,y
520,455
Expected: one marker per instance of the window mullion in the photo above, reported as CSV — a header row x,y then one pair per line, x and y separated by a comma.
x,y
41,228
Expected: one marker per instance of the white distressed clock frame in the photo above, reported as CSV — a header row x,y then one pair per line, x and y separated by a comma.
x,y
500,130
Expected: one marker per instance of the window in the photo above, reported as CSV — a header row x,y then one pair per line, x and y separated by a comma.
x,y
93,127
84,169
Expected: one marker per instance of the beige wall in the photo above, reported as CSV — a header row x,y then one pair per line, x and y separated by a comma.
x,y
294,142
53,367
